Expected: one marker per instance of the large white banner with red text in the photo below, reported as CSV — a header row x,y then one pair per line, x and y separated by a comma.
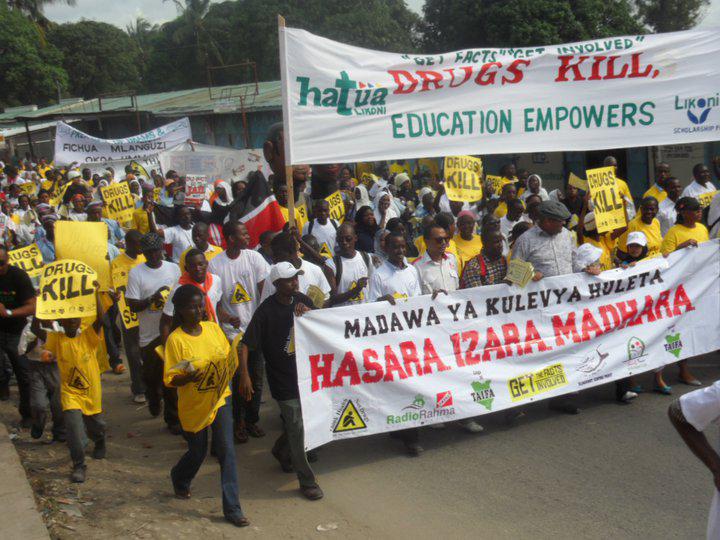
x,y
344,103
375,368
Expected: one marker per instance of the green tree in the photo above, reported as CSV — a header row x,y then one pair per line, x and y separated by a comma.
x,y
34,8
671,15
458,24
31,68
98,57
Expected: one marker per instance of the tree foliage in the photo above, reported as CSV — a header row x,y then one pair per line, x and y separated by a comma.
x,y
99,58
671,15
31,68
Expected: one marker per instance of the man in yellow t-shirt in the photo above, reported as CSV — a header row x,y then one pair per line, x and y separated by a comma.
x,y
201,239
281,195
468,243
120,268
604,242
657,190
80,392
651,230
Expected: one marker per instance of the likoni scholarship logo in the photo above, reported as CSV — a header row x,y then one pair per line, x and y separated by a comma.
x,y
697,108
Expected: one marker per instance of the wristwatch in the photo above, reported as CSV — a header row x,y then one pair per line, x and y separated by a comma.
x,y
9,312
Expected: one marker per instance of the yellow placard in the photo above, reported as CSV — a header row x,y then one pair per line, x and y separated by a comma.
x,y
607,202
28,258
156,194
66,290
530,385
28,188
87,242
578,182
128,316
498,182
337,206
119,202
706,198
463,178
57,201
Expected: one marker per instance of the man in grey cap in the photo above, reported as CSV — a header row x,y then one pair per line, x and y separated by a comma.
x,y
549,248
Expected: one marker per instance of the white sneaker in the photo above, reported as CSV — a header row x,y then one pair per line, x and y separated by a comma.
x,y
471,426
628,396
438,426
140,398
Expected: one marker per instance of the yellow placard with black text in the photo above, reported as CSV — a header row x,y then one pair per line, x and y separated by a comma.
x,y
119,202
463,178
607,201
87,242
28,258
128,316
706,198
28,188
337,206
67,291
498,182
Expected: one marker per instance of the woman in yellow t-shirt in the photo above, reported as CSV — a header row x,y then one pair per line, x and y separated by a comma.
x,y
468,243
646,223
198,363
687,232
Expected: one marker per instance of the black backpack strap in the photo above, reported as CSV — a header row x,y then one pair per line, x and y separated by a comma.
x,y
334,224
310,226
366,258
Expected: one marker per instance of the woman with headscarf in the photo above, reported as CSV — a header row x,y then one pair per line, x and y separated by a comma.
x,y
365,228
362,198
220,201
77,208
384,208
534,187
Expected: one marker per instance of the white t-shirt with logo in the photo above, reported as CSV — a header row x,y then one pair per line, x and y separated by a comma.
x,y
399,283
180,239
352,270
312,276
239,278
324,234
143,281
215,293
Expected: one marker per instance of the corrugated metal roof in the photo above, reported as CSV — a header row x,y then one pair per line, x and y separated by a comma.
x,y
175,103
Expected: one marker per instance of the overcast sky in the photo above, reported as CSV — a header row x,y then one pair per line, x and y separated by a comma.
x,y
121,13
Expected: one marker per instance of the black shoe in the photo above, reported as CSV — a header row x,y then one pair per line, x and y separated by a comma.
x,y
36,431
154,408
254,430
99,451
312,493
238,521
26,422
567,407
312,456
78,474
175,429
4,392
414,449
285,464
59,437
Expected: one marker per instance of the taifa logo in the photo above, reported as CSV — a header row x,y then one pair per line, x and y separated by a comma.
x,y
673,344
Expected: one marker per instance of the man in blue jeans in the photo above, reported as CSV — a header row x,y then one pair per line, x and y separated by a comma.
x,y
17,302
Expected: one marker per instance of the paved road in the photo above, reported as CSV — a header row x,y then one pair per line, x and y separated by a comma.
x,y
614,471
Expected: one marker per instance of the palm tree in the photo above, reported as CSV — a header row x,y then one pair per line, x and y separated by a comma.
x,y
140,32
34,8
193,14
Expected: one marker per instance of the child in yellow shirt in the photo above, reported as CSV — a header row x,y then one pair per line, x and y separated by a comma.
x,y
80,392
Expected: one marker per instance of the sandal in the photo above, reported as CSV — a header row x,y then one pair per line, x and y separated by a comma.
x,y
693,382
664,390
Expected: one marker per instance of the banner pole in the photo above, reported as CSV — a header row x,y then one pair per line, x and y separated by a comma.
x,y
286,123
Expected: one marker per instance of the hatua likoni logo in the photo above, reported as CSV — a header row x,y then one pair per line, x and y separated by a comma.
x,y
347,97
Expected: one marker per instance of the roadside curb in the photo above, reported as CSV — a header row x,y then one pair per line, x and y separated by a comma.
x,y
21,518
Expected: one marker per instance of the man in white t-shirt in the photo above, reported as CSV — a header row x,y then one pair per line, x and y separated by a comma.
x,y
392,281
702,182
242,272
147,291
179,236
351,268
322,228
312,281
692,414
667,216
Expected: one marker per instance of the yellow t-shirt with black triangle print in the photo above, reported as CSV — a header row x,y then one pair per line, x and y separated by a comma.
x,y
79,371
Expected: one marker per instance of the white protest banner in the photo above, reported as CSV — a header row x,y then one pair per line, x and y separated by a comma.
x,y
72,145
195,190
611,92
214,162
377,368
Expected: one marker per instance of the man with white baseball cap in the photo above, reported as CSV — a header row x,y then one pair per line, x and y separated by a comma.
x,y
271,331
